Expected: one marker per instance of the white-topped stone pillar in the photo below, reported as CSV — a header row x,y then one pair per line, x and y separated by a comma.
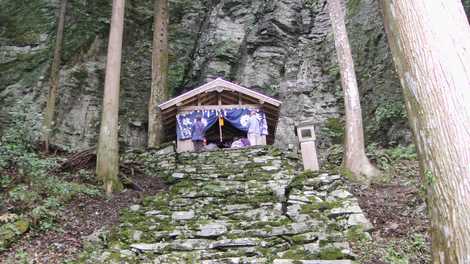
x,y
306,135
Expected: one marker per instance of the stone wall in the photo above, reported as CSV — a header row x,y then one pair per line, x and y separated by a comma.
x,y
155,163
239,206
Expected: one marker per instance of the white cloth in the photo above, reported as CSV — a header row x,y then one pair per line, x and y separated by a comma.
x,y
253,125
237,144
254,139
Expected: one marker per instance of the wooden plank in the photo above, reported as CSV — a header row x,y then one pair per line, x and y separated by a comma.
x,y
229,100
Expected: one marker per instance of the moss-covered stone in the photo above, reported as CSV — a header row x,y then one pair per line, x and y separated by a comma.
x,y
330,253
239,212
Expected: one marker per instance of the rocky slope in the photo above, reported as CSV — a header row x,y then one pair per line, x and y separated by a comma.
x,y
280,47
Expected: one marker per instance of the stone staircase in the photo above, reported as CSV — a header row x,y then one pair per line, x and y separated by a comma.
x,y
239,206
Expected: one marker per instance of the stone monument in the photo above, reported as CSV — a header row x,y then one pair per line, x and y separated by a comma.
x,y
306,135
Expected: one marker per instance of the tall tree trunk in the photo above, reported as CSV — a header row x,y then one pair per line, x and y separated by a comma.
x,y
430,42
355,159
107,164
159,90
54,79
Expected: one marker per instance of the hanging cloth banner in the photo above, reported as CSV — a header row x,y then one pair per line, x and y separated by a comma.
x,y
185,121
239,118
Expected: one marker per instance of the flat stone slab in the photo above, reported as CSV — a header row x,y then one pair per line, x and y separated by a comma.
x,y
182,215
342,194
190,244
155,247
360,220
242,242
178,175
212,230
345,210
236,260
291,261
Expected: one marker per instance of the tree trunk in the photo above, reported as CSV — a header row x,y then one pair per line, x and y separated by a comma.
x,y
159,90
107,164
54,79
355,159
430,42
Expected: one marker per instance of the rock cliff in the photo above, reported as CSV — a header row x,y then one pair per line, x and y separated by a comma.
x,y
283,48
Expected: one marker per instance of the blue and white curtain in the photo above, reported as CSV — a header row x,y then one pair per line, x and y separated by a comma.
x,y
238,117
185,121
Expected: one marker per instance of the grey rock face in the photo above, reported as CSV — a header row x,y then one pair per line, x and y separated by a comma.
x,y
282,48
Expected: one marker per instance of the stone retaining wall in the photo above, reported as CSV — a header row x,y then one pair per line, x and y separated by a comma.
x,y
238,206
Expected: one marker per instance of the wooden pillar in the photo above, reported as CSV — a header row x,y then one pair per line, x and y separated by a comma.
x,y
220,127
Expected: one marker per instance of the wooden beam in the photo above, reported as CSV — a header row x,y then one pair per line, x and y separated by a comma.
x,y
215,107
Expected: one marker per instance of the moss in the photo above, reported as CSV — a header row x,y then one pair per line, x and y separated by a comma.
x,y
256,199
299,239
157,202
40,19
353,6
298,254
334,71
299,180
334,227
355,233
331,253
347,174
319,206
334,128
22,225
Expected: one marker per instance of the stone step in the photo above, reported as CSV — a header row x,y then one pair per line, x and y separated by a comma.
x,y
292,261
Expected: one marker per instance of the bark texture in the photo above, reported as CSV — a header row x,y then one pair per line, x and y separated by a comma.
x,y
430,43
54,79
355,159
159,88
107,166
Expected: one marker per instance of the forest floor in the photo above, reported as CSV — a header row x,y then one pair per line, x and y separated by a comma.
x,y
394,206
83,217
398,212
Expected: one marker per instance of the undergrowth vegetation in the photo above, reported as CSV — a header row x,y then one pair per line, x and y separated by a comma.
x,y
391,161
410,250
31,195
